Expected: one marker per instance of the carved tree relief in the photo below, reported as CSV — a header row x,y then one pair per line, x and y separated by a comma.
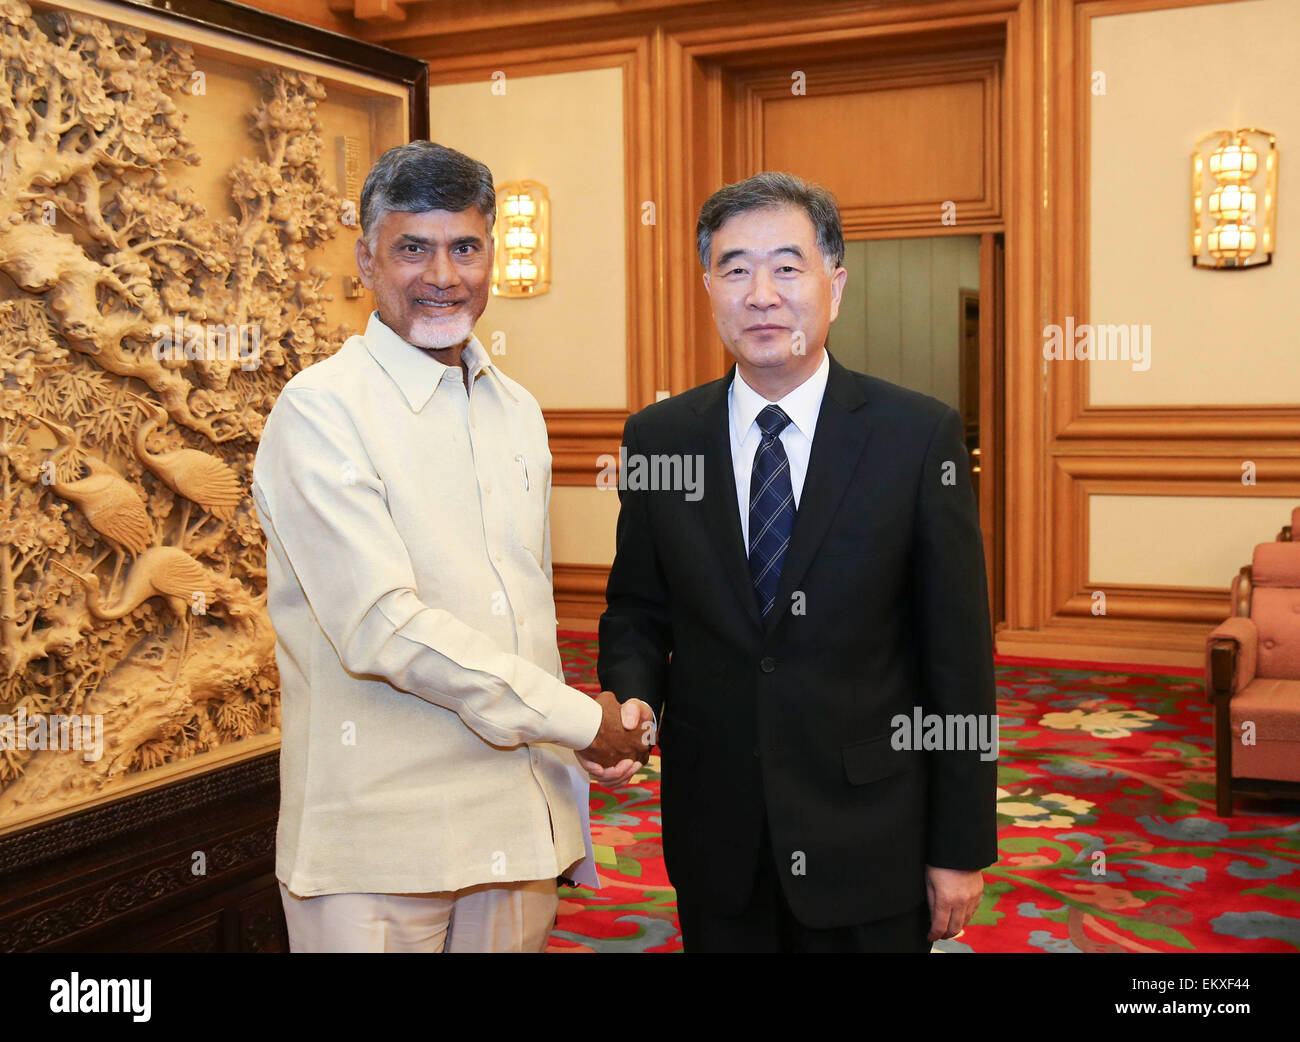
x,y
132,568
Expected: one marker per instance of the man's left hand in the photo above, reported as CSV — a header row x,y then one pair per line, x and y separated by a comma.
x,y
954,896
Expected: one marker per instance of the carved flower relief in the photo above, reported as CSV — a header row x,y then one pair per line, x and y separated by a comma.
x,y
11,401
94,28
78,527
68,64
94,105
247,530
253,179
201,403
161,502
53,532
20,354
253,421
13,13
176,297
304,335
32,528
25,460
20,533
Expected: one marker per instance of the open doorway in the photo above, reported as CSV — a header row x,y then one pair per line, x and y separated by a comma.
x,y
913,314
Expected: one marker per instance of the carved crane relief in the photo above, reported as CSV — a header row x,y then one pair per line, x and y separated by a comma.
x,y
161,571
196,476
107,238
109,502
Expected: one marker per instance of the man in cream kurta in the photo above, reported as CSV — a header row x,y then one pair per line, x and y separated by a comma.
x,y
408,554
428,736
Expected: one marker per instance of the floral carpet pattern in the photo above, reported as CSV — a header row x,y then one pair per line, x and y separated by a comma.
x,y
1108,837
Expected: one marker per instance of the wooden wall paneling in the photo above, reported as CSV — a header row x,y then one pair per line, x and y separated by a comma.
x,y
647,351
431,22
1149,426
893,179
1077,476
580,592
1028,254
706,142
1074,417
1129,442
992,398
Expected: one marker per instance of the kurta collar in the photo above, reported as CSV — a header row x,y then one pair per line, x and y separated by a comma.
x,y
415,371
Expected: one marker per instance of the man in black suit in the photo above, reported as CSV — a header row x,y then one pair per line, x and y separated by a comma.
x,y
790,622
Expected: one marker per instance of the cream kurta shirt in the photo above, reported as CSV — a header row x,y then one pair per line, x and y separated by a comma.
x,y
427,732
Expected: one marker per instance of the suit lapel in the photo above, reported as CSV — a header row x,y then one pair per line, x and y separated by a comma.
x,y
838,440
840,436
713,442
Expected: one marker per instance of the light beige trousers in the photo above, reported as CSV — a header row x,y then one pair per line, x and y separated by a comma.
x,y
492,917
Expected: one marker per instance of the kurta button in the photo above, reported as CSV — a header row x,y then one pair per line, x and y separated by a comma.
x,y
768,664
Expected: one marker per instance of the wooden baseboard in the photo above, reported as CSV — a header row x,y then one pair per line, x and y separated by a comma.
x,y
1083,647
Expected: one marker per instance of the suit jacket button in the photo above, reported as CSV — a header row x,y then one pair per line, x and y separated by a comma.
x,y
756,751
768,664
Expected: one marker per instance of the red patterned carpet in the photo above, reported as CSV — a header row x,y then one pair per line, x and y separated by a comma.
x,y
1108,837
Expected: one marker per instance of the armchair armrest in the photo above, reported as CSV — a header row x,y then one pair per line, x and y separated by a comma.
x,y
1231,656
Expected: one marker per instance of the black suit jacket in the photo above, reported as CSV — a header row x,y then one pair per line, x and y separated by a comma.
x,y
882,608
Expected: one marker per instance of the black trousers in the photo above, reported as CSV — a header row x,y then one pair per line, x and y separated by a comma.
x,y
769,925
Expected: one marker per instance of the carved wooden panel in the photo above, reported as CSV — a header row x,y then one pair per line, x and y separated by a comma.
x,y
157,295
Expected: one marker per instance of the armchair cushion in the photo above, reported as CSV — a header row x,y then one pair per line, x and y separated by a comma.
x,y
1275,609
1276,564
1273,706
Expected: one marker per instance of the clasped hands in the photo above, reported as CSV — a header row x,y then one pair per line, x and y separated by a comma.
x,y
622,744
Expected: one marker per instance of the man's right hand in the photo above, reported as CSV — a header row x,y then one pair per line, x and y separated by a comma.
x,y
615,742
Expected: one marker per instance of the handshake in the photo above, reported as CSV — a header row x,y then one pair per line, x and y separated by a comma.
x,y
622,744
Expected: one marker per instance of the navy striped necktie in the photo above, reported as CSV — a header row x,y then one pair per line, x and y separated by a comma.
x,y
771,508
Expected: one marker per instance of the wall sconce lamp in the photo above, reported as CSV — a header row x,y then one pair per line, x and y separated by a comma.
x,y
521,265
1230,222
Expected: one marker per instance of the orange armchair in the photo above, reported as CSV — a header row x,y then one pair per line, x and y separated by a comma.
x,y
1252,674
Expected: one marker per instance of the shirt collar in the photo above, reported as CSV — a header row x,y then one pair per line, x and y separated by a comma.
x,y
415,371
802,404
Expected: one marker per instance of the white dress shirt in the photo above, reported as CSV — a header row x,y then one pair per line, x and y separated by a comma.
x,y
802,405
427,731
